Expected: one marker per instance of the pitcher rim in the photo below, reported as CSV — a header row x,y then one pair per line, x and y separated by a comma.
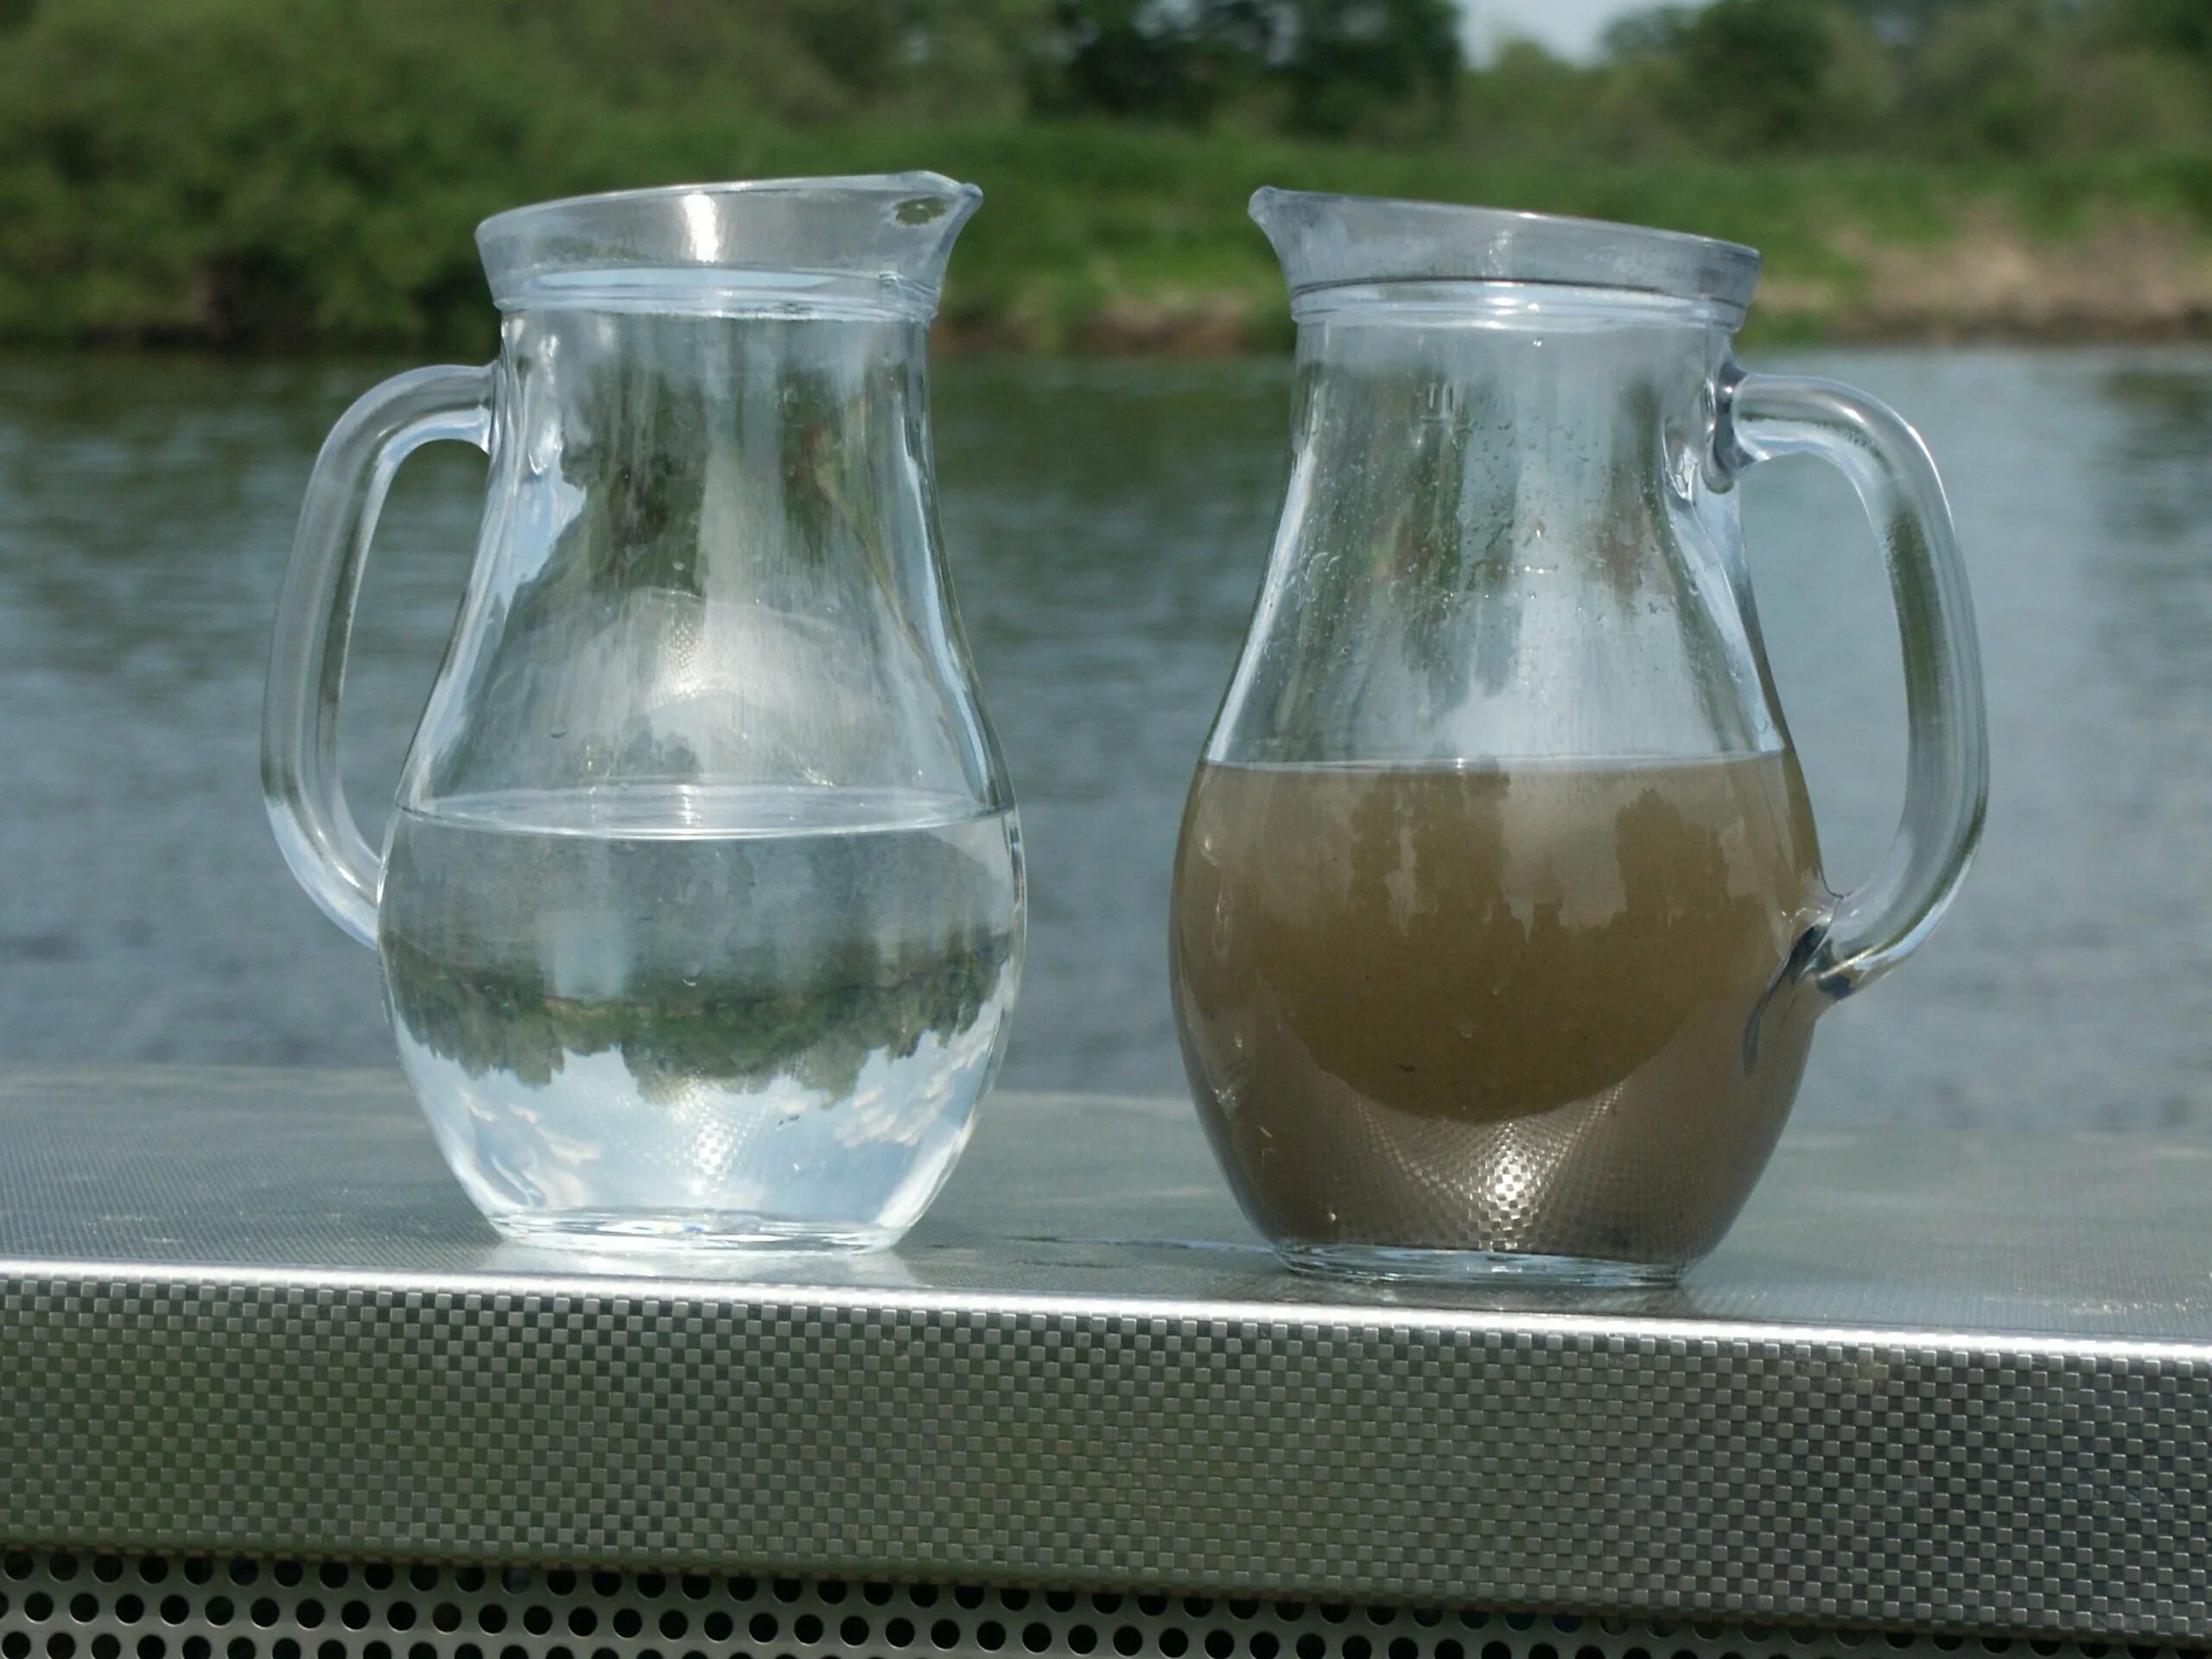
x,y
917,180
855,228
1497,245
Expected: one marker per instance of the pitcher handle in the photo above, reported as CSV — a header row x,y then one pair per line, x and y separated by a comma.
x,y
299,780
1883,921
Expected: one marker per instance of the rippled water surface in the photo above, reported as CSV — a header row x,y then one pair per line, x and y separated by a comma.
x,y
1108,524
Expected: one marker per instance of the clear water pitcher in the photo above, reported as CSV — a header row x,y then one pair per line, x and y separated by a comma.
x,y
701,910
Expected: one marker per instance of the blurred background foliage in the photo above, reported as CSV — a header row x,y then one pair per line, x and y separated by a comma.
x,y
251,174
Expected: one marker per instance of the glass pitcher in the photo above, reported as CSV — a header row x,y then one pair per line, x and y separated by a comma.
x,y
1499,928
701,912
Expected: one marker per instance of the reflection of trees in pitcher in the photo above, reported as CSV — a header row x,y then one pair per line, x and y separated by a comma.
x,y
1406,534
1442,505
673,1031
714,489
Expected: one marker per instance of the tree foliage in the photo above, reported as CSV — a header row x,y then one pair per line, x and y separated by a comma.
x,y
1318,66
236,172
1998,80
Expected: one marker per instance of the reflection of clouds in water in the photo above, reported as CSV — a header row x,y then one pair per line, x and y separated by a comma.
x,y
598,1138
886,1107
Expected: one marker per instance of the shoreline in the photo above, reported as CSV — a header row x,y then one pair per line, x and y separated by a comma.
x,y
1170,338
2126,278
2133,281
2005,292
1129,242
1205,339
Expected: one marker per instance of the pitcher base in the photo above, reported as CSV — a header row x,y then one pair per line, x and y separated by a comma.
x,y
602,1234
1397,1263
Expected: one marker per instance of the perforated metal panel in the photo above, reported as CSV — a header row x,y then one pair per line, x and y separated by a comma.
x,y
103,1606
1932,1383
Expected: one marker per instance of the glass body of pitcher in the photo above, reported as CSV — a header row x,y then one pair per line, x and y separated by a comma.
x,y
701,912
1499,927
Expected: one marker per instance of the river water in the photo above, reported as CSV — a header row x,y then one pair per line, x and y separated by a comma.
x,y
1108,523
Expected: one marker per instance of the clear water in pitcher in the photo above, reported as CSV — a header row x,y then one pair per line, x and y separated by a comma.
x,y
758,1014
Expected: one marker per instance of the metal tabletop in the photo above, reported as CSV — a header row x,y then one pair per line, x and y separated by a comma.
x,y
1940,1380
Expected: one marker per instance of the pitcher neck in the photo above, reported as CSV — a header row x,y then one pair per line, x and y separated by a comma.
x,y
594,341
758,295
1503,307
1507,370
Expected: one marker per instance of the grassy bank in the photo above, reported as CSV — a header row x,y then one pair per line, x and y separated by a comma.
x,y
1106,238
1126,240
235,175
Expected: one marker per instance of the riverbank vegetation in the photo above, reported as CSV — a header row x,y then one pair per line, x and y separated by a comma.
x,y
238,174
